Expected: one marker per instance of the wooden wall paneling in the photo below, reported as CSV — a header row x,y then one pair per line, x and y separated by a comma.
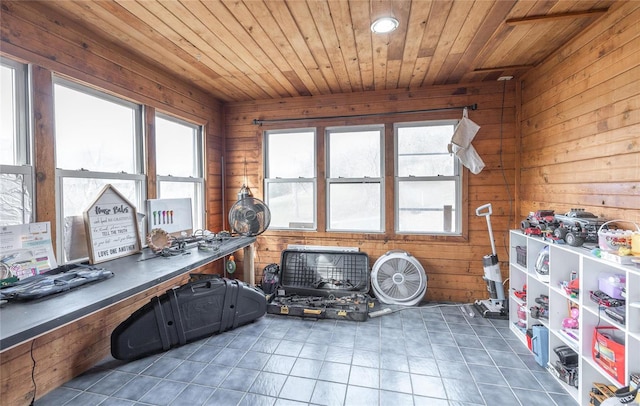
x,y
44,145
389,168
150,151
580,120
67,351
52,42
54,45
518,158
213,158
561,66
590,93
321,183
443,255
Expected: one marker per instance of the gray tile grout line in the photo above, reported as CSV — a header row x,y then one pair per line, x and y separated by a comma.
x,y
378,326
464,359
502,374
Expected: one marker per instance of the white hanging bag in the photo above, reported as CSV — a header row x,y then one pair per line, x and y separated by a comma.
x,y
465,131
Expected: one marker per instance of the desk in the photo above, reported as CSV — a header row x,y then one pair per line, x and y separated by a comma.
x,y
22,321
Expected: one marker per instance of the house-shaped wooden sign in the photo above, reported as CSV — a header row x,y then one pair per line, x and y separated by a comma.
x,y
111,222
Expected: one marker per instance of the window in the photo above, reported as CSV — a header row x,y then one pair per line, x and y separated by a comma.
x,y
179,164
16,172
290,178
428,181
98,141
355,185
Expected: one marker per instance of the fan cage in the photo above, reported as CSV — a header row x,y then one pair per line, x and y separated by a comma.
x,y
249,216
398,278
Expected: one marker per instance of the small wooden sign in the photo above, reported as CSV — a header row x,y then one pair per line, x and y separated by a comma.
x,y
112,226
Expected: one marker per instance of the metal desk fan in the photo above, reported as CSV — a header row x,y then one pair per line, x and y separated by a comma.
x,y
249,216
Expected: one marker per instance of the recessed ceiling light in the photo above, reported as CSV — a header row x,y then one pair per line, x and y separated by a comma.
x,y
384,25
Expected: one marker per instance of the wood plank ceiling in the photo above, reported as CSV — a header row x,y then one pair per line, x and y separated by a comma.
x,y
268,49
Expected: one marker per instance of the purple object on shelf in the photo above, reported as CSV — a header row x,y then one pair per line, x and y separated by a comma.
x,y
612,284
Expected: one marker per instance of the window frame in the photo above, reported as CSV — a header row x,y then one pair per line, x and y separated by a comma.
x,y
23,142
198,181
458,177
314,181
380,128
80,173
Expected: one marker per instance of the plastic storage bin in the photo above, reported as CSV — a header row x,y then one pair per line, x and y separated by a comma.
x,y
608,351
612,284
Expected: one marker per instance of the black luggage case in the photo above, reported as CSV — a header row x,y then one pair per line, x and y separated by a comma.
x,y
185,314
323,284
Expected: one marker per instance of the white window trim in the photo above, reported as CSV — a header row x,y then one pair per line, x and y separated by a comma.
x,y
61,174
458,174
23,144
139,163
374,180
199,170
199,145
314,180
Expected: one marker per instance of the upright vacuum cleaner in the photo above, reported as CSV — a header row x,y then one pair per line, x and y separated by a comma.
x,y
495,307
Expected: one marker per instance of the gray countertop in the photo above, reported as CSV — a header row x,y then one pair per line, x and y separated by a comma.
x,y
21,321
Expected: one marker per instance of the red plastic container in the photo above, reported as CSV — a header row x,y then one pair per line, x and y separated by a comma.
x,y
608,351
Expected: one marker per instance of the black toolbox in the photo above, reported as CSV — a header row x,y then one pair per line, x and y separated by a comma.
x,y
323,285
185,314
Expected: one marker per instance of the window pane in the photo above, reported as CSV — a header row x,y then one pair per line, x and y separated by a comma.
x,y
355,206
15,204
8,125
94,133
354,154
176,149
184,190
291,204
422,151
79,193
291,155
427,206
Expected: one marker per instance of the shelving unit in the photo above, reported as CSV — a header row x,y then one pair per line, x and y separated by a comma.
x,y
563,261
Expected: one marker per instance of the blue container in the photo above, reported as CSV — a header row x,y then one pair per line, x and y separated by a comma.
x,y
540,344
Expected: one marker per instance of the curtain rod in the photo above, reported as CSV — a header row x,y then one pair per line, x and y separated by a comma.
x,y
284,120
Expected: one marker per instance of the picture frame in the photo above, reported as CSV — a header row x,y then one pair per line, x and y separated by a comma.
x,y
111,224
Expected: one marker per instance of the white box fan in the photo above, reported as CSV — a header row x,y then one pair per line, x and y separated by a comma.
x,y
398,278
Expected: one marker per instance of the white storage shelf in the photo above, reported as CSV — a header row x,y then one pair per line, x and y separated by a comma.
x,y
564,261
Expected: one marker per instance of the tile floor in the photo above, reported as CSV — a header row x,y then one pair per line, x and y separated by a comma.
x,y
433,356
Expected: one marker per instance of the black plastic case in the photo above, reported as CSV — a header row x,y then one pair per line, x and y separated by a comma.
x,y
185,314
323,284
